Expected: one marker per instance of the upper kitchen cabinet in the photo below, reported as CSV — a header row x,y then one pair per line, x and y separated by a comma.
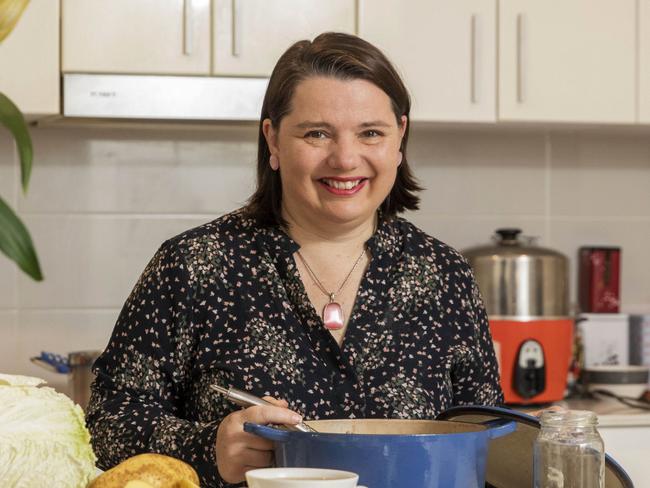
x,y
644,61
136,36
567,60
29,58
446,52
250,35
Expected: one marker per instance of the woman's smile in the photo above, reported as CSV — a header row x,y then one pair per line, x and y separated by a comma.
x,y
343,186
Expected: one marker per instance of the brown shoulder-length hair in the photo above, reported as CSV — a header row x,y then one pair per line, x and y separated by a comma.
x,y
341,56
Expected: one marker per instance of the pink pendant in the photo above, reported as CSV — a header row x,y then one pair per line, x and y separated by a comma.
x,y
333,316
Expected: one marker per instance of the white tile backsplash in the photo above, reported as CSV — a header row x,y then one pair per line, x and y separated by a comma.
x,y
94,261
479,173
9,337
9,182
469,231
102,200
61,332
122,171
8,276
8,168
600,175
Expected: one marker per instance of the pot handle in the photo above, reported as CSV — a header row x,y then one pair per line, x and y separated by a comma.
x,y
266,432
499,427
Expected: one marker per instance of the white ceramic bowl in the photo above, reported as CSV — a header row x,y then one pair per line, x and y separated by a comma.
x,y
628,381
301,478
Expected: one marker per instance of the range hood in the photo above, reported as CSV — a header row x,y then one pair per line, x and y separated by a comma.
x,y
172,98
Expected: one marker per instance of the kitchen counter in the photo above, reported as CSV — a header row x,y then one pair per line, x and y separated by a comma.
x,y
611,413
625,431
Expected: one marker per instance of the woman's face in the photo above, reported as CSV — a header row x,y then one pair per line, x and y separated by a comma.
x,y
338,150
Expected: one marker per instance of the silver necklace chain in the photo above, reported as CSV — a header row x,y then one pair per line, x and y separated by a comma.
x,y
331,295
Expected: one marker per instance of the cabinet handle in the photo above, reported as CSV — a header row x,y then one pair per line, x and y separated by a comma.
x,y
472,60
236,41
520,58
188,28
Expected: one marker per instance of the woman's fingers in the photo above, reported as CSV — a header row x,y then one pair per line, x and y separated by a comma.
x,y
256,459
258,443
238,451
269,414
278,403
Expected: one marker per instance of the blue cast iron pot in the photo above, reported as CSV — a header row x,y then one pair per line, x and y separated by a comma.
x,y
391,453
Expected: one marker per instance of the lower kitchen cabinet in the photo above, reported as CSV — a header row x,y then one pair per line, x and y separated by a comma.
x,y
629,445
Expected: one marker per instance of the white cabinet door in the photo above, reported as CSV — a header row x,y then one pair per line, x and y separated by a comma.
x,y
136,36
445,50
628,445
644,61
567,60
29,60
250,35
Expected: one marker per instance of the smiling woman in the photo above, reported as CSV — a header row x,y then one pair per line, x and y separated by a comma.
x,y
315,294
338,151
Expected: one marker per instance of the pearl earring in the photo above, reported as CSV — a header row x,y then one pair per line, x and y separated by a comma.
x,y
274,163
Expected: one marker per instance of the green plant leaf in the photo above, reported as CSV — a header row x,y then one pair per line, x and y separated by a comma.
x,y
16,243
13,119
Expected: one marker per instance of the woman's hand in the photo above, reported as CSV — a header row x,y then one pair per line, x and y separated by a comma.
x,y
238,451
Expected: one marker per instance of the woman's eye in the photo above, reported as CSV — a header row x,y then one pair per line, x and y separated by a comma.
x,y
315,134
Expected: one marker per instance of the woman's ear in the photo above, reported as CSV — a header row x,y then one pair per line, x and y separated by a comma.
x,y
402,127
271,136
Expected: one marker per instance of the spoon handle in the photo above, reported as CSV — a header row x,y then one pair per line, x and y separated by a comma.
x,y
244,399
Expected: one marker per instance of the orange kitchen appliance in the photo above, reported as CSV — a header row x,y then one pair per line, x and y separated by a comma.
x,y
526,293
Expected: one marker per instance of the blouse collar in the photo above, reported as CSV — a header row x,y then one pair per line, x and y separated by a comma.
x,y
385,240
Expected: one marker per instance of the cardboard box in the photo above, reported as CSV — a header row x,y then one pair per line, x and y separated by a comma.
x,y
605,338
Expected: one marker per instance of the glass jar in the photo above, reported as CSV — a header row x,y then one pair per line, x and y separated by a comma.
x,y
569,452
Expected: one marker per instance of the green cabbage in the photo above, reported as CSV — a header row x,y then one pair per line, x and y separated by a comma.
x,y
43,438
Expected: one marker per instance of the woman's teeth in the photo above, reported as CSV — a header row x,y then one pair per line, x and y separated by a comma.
x,y
342,185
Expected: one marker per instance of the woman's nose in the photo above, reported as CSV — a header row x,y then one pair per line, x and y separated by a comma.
x,y
345,154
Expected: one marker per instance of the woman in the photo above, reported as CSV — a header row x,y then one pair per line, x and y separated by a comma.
x,y
315,294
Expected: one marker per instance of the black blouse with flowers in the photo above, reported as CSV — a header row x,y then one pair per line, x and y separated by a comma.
x,y
223,303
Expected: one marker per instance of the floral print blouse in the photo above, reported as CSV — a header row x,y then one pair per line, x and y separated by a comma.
x,y
223,303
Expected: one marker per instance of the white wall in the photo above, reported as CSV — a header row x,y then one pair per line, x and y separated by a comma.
x,y
102,200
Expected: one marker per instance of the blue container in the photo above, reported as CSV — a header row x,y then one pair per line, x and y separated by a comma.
x,y
407,453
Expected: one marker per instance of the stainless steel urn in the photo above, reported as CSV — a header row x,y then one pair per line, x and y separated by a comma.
x,y
520,280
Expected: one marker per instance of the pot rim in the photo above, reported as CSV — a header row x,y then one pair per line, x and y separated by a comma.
x,y
498,428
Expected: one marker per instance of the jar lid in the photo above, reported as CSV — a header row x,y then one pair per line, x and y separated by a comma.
x,y
510,458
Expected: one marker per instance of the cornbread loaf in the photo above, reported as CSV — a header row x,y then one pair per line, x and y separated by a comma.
x,y
148,471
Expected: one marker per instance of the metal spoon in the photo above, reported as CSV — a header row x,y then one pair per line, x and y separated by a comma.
x,y
245,399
